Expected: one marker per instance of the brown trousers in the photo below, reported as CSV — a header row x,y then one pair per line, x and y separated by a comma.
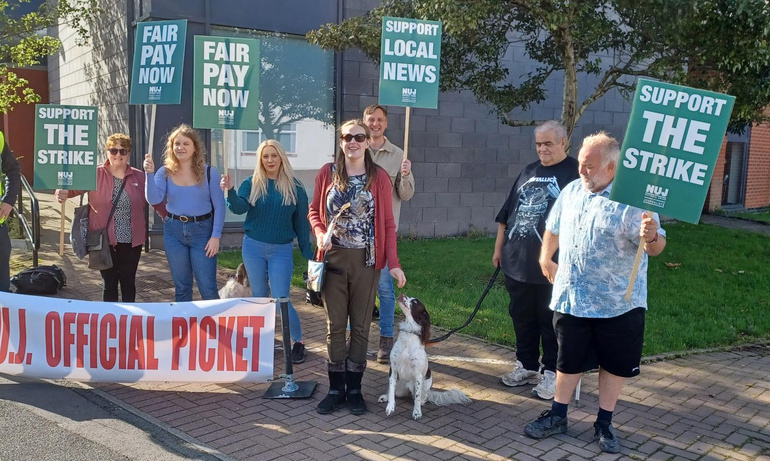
x,y
348,293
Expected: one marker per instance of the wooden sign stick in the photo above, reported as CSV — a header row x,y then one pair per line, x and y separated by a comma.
x,y
61,232
634,271
406,131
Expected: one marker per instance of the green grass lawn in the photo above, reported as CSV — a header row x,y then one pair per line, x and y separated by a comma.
x,y
708,288
761,215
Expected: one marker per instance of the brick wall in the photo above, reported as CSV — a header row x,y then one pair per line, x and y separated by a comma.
x,y
758,174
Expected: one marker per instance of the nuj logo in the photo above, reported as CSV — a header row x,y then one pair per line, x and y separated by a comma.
x,y
656,190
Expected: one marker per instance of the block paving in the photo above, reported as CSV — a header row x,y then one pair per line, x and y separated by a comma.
x,y
703,406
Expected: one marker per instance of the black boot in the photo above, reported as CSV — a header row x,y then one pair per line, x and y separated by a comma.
x,y
336,396
355,398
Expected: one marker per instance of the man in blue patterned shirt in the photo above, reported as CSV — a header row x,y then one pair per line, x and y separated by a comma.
x,y
597,241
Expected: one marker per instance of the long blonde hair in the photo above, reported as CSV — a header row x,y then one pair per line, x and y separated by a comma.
x,y
169,158
284,184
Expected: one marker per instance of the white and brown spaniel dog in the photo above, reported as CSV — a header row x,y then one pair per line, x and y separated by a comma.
x,y
238,286
409,372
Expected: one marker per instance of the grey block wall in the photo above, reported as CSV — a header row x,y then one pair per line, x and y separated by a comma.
x,y
464,159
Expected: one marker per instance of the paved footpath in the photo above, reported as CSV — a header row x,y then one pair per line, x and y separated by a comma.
x,y
706,406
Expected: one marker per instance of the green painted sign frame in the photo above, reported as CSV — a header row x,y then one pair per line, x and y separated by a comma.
x,y
410,62
158,62
226,83
672,143
66,147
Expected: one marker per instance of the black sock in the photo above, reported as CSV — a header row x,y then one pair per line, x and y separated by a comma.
x,y
604,417
559,409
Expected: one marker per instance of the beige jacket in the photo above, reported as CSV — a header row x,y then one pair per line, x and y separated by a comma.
x,y
390,157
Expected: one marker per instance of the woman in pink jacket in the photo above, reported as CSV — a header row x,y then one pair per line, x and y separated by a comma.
x,y
127,228
357,248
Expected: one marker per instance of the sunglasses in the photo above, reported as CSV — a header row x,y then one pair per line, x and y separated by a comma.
x,y
360,137
115,151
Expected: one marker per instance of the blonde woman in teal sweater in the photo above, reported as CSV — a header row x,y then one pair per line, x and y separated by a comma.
x,y
276,209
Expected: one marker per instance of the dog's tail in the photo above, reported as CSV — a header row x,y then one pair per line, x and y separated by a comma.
x,y
450,397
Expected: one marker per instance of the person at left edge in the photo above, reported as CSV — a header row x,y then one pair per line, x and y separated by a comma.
x,y
196,212
275,203
9,191
127,230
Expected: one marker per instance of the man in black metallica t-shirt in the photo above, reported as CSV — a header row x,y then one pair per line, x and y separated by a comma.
x,y
521,222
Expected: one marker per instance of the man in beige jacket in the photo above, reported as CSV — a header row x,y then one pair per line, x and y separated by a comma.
x,y
391,158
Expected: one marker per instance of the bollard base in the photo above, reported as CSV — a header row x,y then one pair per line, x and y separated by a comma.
x,y
277,390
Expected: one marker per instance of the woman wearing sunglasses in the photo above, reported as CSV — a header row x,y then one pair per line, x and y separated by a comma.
x,y
361,243
119,183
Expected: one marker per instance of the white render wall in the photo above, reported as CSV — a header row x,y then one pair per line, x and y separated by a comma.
x,y
97,74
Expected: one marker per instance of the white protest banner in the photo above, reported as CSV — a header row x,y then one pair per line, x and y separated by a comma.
x,y
202,341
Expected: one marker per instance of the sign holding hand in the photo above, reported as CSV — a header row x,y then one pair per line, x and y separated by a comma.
x,y
148,165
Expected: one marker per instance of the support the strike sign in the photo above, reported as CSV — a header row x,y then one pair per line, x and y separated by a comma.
x,y
204,341
66,150
671,146
668,155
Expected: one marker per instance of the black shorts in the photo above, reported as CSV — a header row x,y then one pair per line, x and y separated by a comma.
x,y
614,344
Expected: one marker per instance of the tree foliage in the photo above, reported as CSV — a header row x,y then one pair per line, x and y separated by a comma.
x,y
23,42
711,44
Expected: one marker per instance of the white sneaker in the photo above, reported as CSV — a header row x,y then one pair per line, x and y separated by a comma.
x,y
520,376
547,387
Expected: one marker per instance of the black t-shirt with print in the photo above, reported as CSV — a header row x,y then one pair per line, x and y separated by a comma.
x,y
524,214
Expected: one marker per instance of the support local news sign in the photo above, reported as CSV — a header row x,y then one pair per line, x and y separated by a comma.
x,y
670,149
410,60
204,341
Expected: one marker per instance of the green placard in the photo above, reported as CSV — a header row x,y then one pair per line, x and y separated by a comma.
x,y
158,62
410,60
66,147
672,143
226,83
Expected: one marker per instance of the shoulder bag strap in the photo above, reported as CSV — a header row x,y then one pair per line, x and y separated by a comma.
x,y
208,185
115,201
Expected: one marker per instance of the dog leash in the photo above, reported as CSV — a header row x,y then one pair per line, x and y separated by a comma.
x,y
473,314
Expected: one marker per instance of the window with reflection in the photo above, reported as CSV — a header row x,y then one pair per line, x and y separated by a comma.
x,y
296,92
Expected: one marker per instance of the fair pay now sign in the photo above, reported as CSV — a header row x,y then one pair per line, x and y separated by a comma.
x,y
671,146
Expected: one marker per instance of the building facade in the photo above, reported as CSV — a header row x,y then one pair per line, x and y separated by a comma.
x,y
464,159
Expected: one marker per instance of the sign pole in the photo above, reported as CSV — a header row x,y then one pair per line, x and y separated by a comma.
x,y
225,155
637,261
406,131
61,231
153,107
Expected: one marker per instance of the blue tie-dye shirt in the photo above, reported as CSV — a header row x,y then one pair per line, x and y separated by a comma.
x,y
598,239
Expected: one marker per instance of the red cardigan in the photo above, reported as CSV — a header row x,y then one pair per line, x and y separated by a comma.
x,y
101,203
384,224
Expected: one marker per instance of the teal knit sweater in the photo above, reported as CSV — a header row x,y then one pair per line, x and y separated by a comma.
x,y
269,220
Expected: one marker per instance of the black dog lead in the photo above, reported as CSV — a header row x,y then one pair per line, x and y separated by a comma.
x,y
473,314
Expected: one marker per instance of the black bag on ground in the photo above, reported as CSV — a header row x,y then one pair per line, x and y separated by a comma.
x,y
41,280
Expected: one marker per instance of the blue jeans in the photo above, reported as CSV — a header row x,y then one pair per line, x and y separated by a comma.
x,y
186,254
270,266
387,294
